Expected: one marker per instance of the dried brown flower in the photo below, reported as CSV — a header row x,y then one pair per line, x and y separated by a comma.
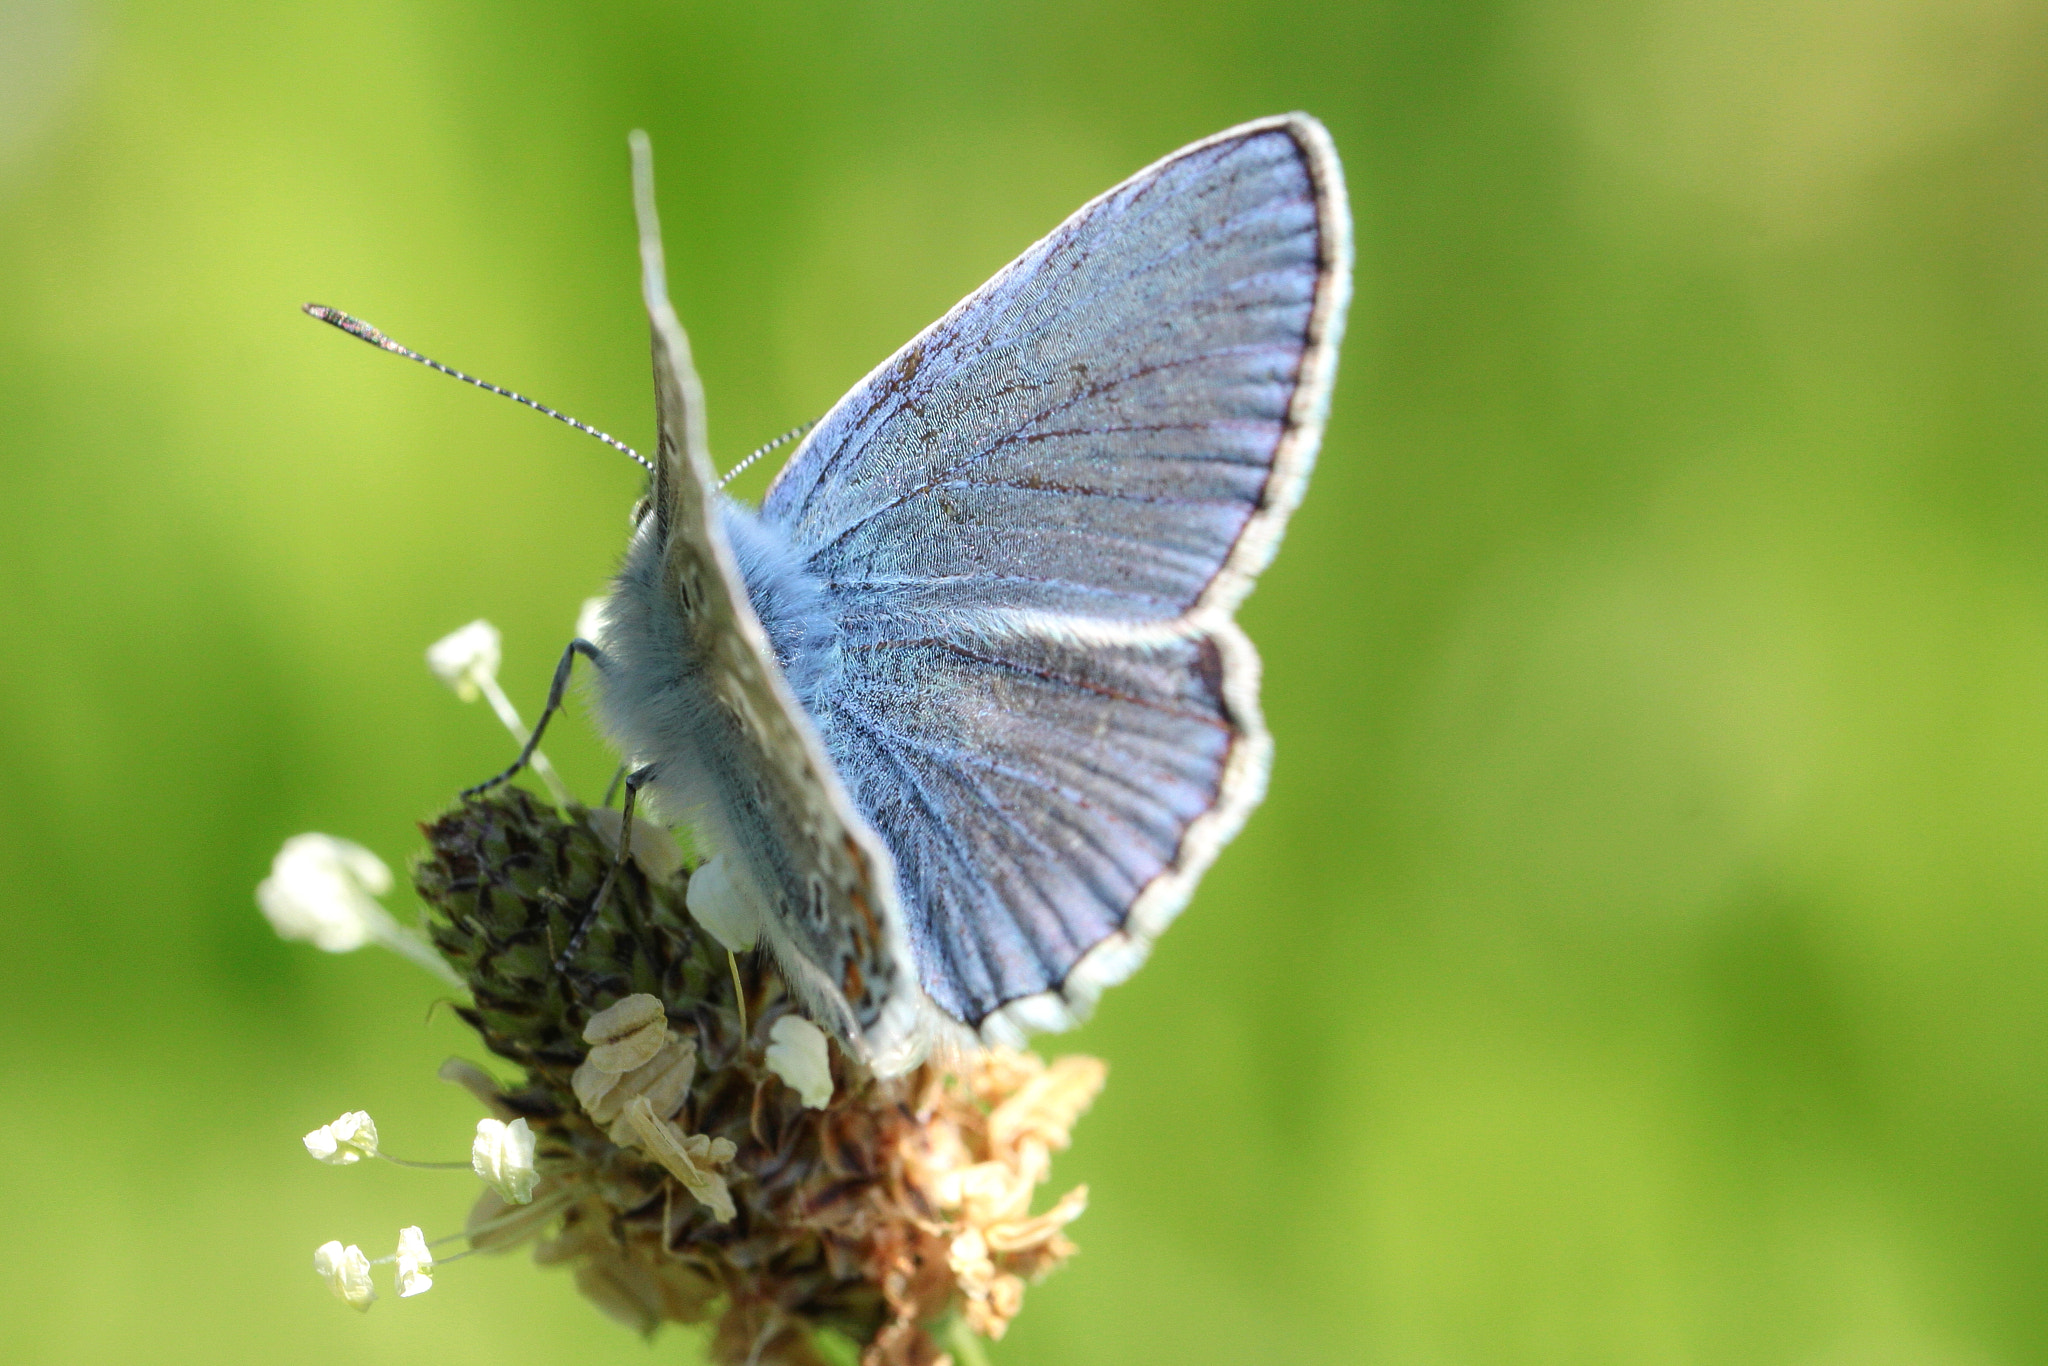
x,y
682,1179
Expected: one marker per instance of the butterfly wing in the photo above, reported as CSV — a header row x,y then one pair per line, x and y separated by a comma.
x,y
690,686
1033,523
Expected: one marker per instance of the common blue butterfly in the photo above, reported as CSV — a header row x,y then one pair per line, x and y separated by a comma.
x,y
961,709
961,712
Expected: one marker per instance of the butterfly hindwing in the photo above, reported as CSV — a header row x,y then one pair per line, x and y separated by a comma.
x,y
1032,793
1031,526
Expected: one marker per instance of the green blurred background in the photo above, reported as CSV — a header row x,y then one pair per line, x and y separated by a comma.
x,y
1641,956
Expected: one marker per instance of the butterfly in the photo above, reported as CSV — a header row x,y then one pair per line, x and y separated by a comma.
x,y
960,711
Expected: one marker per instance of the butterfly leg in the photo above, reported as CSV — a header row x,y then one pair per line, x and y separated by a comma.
x,y
635,780
556,691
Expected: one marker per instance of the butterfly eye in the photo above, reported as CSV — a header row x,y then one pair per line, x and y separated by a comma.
x,y
640,511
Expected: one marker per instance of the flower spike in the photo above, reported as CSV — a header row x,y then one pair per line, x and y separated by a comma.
x,y
693,1173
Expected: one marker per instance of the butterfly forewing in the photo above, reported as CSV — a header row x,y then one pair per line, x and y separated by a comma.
x,y
1032,524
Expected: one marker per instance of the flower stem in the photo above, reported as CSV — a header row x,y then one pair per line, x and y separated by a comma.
x,y
561,1199
966,1344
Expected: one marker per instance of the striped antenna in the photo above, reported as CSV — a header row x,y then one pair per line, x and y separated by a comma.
x,y
792,434
356,327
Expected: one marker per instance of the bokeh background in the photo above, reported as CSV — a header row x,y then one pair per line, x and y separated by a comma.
x,y
1642,956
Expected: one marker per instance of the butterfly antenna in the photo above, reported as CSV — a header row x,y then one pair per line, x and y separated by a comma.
x,y
792,434
356,327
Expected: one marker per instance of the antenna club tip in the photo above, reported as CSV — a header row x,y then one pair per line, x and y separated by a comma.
x,y
350,324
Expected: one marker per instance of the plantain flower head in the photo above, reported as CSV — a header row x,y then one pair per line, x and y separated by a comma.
x,y
689,1146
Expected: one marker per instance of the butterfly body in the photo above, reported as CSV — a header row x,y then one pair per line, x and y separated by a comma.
x,y
961,710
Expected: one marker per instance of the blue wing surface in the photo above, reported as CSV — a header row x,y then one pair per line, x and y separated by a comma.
x,y
1031,525
1030,793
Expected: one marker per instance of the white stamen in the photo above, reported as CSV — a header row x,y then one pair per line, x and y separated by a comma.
x,y
502,1156
323,890
467,660
654,848
347,1140
689,1158
798,1055
623,1018
346,1271
415,1263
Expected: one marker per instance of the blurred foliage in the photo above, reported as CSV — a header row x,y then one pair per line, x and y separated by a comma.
x,y
1641,956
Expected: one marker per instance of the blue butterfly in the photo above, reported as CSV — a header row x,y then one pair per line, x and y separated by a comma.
x,y
961,709
961,712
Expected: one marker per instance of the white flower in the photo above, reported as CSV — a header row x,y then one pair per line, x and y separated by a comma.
x,y
415,1263
590,621
798,1056
348,1140
323,889
465,659
723,906
502,1155
346,1271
